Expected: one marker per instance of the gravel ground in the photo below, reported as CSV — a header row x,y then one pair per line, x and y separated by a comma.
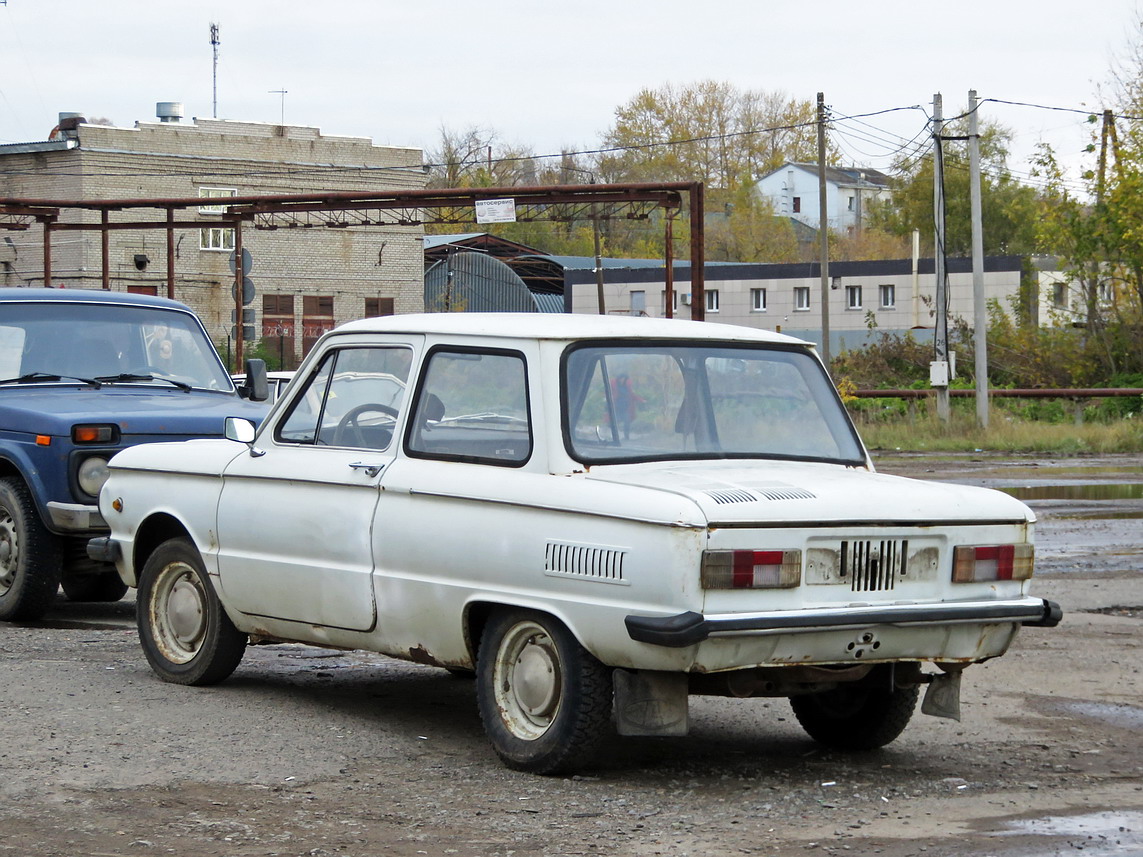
x,y
311,752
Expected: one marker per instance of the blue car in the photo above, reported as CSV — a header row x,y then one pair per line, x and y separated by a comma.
x,y
84,374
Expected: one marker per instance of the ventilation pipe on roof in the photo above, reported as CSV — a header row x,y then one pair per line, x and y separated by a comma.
x,y
66,129
169,111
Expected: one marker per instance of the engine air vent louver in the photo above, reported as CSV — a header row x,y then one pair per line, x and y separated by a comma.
x,y
587,562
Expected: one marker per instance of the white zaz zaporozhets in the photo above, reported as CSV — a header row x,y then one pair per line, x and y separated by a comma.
x,y
598,516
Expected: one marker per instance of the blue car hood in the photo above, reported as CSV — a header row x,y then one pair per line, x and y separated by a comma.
x,y
136,410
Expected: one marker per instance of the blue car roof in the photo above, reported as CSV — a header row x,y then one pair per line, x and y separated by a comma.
x,y
97,296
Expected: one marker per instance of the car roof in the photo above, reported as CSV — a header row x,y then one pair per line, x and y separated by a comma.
x,y
562,326
98,296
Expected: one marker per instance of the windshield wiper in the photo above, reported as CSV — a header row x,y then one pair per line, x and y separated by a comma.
x,y
33,377
126,377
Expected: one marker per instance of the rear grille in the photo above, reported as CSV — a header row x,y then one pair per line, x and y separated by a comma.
x,y
873,566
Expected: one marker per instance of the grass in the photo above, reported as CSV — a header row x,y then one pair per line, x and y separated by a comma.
x,y
1005,433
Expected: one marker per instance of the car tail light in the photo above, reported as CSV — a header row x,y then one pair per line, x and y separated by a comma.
x,y
992,562
95,434
749,569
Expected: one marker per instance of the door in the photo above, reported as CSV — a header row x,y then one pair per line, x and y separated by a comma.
x,y
295,522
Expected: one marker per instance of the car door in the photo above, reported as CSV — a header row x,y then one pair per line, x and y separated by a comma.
x,y
295,517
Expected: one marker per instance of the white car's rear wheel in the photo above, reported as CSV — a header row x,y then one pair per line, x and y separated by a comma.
x,y
545,701
186,635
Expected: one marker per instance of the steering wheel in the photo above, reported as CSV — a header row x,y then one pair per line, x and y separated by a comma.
x,y
348,431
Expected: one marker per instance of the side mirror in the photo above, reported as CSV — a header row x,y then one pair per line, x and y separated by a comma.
x,y
239,430
256,388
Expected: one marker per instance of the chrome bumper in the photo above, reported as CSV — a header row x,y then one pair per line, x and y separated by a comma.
x,y
75,517
686,629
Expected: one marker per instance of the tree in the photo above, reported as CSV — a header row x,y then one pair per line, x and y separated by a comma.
x,y
1008,207
708,131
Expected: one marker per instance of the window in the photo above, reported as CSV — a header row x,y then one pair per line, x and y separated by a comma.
x,y
216,238
1060,294
887,293
472,406
629,402
638,302
375,307
849,203
758,300
215,193
143,290
711,300
853,297
353,400
317,318
797,204
801,297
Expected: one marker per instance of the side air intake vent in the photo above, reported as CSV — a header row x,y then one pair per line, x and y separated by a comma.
x,y
587,562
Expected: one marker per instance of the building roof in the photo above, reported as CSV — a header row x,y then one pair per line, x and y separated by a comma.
x,y
847,176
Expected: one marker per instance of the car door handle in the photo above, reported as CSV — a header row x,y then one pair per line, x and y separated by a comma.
x,y
370,469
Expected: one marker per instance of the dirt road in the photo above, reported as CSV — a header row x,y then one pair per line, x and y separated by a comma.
x,y
311,752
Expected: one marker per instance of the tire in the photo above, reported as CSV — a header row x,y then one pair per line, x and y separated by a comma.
x,y
104,586
186,635
856,717
545,702
29,556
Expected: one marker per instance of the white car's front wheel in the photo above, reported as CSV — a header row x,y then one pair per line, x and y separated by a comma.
x,y
544,700
186,635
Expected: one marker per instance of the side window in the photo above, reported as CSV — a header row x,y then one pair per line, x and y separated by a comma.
x,y
353,400
473,406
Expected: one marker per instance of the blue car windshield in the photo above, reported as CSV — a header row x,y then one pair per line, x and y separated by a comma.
x,y
632,402
47,341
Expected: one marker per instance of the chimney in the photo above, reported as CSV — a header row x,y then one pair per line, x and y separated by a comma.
x,y
68,124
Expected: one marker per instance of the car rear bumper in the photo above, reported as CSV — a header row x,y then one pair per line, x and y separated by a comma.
x,y
687,629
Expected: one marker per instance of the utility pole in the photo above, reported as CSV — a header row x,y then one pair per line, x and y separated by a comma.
x,y
214,42
939,368
823,228
979,311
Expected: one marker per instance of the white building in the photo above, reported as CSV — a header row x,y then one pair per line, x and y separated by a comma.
x,y
793,191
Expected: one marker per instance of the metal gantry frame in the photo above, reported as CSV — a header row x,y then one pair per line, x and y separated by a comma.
x,y
343,209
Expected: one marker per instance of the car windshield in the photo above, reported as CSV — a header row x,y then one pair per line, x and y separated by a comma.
x,y
51,341
627,402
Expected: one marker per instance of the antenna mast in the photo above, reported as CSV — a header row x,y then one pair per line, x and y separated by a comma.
x,y
214,46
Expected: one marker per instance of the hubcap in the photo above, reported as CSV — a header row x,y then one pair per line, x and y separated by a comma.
x,y
533,680
184,611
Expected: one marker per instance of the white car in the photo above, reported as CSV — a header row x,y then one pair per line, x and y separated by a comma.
x,y
597,516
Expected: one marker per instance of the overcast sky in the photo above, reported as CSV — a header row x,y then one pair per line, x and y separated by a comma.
x,y
550,75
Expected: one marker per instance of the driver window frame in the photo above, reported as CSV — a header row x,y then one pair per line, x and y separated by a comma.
x,y
328,367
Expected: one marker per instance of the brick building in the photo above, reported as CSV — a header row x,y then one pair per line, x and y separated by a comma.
x,y
306,280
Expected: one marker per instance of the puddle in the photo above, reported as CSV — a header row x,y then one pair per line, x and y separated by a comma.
x,y
1124,716
1077,491
1098,833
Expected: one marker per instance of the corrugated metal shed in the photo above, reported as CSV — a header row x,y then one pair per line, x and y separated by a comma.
x,y
475,282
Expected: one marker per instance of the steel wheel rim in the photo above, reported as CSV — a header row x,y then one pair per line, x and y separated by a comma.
x,y
178,613
9,552
528,679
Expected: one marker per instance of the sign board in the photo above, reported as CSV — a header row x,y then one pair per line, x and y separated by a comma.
x,y
496,211
247,261
247,290
247,315
247,332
